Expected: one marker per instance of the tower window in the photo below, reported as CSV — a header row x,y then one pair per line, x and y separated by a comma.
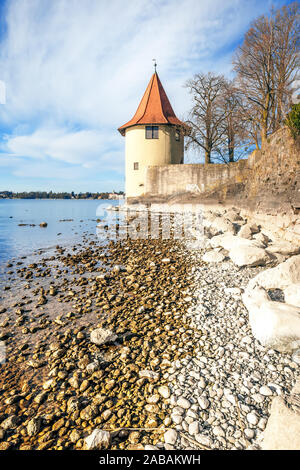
x,y
136,165
177,134
151,132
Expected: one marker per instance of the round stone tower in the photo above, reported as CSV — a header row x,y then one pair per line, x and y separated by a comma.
x,y
154,136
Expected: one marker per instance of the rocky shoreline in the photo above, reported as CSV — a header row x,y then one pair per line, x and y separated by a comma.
x,y
57,386
139,344
229,385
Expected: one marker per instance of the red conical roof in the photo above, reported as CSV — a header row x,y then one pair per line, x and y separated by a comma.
x,y
154,108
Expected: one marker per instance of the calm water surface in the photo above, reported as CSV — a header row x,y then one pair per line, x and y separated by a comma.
x,y
17,241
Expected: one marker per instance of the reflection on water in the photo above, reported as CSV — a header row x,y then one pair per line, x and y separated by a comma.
x,y
67,221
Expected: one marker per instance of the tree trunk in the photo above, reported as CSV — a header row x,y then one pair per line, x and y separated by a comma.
x,y
263,134
208,148
207,156
230,146
265,116
231,154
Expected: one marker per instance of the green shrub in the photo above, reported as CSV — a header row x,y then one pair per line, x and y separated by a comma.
x,y
293,120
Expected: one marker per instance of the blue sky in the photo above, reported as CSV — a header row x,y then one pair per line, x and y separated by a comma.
x,y
76,70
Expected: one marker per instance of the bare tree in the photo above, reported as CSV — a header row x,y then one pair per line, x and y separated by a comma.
x,y
215,118
255,70
206,117
266,65
286,54
231,147
248,116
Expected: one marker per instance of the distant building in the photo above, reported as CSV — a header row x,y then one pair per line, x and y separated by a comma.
x,y
154,136
115,196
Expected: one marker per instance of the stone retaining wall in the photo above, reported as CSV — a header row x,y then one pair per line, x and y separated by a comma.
x,y
165,180
275,170
266,187
268,180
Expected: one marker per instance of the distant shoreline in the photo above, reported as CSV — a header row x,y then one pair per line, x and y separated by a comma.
x,y
61,199
61,195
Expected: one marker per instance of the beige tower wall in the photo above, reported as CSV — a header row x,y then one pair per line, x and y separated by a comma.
x,y
165,150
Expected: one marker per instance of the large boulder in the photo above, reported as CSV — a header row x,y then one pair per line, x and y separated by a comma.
x,y
284,248
213,257
292,294
223,225
229,241
222,241
233,215
219,224
247,230
242,252
280,277
275,325
261,238
248,256
283,428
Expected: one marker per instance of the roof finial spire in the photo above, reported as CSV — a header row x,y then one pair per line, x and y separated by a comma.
x,y
155,64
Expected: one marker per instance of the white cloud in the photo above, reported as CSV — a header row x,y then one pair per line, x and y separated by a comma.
x,y
81,147
73,64
88,149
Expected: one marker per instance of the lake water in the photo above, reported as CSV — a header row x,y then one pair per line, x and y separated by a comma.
x,y
67,219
